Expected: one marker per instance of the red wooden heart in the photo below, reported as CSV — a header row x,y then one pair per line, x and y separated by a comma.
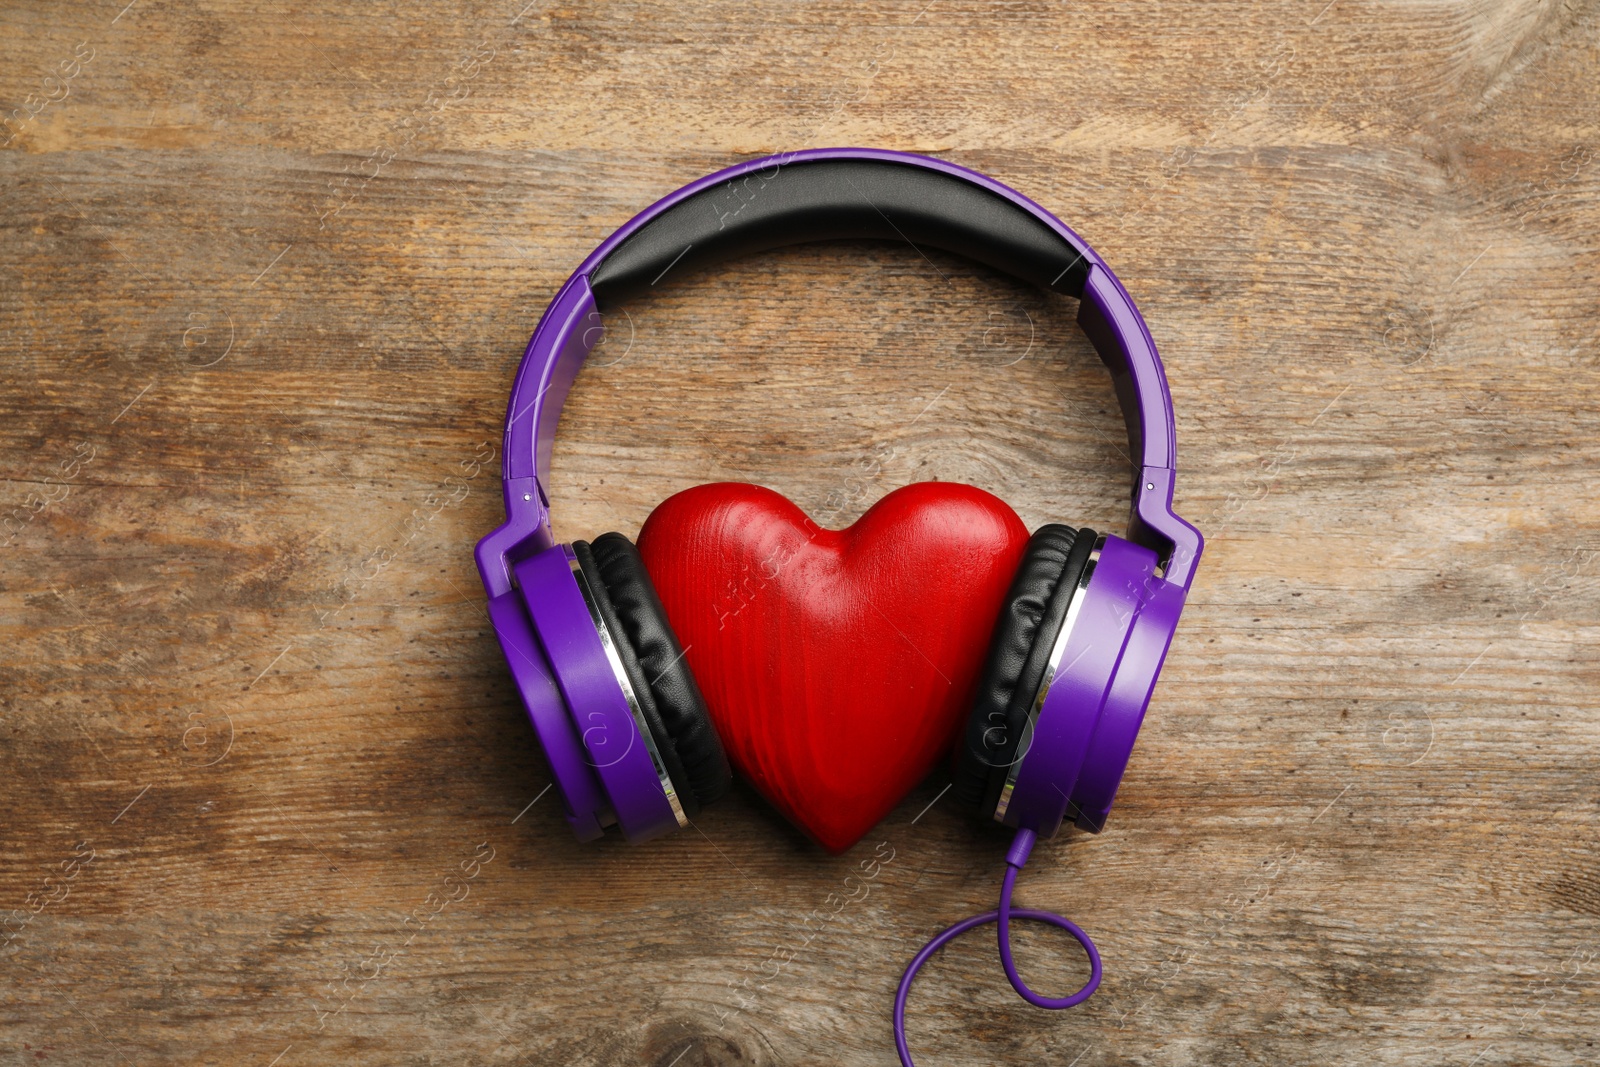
x,y
838,665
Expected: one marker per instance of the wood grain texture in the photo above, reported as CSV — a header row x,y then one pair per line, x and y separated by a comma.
x,y
265,273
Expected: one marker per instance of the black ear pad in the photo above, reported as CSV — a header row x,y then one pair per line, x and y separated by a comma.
x,y
1035,607
653,660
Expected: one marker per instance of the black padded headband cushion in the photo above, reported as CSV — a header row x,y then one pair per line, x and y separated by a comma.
x,y
1035,607
655,665
831,199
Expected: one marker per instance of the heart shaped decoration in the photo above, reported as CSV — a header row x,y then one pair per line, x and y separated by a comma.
x,y
838,665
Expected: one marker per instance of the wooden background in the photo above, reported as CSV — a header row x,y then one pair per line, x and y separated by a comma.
x,y
265,274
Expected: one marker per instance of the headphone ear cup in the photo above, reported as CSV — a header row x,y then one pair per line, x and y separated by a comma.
x,y
668,696
1019,653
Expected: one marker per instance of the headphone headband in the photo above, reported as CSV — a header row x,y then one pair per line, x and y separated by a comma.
x,y
823,194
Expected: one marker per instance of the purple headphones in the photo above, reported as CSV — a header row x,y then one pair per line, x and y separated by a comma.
x,y
1087,621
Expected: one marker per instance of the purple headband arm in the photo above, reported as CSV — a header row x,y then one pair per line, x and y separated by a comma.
x,y
571,326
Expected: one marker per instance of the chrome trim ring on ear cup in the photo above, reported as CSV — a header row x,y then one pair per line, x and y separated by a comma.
x,y
608,643
1074,609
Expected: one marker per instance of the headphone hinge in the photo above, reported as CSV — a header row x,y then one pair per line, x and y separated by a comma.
x,y
525,532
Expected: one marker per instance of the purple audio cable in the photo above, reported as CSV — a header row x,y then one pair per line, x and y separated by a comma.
x,y
1016,856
